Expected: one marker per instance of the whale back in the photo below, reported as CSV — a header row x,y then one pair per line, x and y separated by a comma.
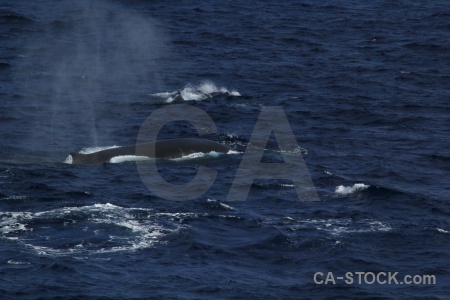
x,y
101,156
175,148
167,149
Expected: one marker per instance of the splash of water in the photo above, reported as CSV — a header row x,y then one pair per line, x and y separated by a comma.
x,y
345,190
198,92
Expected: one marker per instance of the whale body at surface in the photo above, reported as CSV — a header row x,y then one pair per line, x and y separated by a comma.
x,y
167,149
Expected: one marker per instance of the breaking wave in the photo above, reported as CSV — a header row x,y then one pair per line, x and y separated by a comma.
x,y
198,92
345,190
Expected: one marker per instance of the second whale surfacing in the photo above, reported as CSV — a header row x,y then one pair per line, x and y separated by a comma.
x,y
167,149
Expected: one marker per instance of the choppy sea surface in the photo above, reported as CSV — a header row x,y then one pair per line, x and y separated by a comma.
x,y
365,87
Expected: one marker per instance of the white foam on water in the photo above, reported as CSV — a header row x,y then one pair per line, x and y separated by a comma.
x,y
286,185
163,94
338,227
223,205
233,152
363,227
345,190
131,229
198,92
442,230
16,262
10,222
14,198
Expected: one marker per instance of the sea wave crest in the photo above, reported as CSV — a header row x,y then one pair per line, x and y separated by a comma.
x,y
345,190
198,92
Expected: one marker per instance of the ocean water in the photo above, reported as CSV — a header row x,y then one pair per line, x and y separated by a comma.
x,y
365,87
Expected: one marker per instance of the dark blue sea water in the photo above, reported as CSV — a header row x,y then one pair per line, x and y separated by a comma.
x,y
365,86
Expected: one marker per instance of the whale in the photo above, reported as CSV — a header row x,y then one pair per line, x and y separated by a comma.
x,y
166,149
